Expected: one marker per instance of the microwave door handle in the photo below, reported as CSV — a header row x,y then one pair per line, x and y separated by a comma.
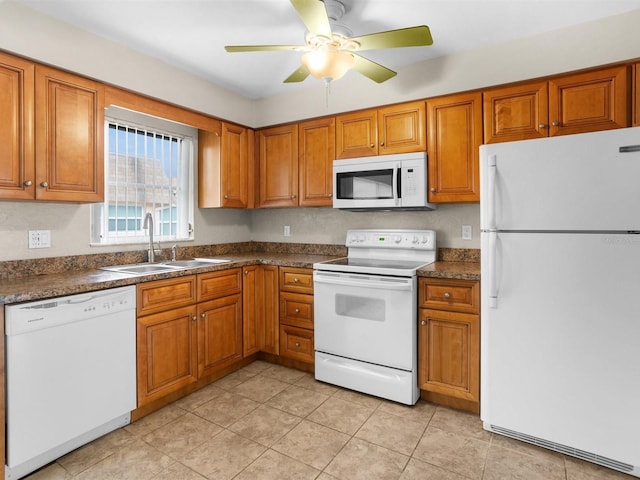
x,y
397,188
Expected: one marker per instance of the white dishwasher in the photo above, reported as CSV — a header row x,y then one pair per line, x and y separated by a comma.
x,y
71,374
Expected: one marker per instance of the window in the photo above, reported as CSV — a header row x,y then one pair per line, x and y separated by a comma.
x,y
148,169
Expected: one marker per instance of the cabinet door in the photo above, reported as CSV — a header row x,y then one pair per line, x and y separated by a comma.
x,y
516,113
588,102
69,143
234,167
17,168
455,133
219,334
166,351
636,95
357,134
449,354
402,128
268,319
250,310
278,166
316,154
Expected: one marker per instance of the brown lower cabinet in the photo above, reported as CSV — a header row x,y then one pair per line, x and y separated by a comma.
x,y
449,343
296,314
188,328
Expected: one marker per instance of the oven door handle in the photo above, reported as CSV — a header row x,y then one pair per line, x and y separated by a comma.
x,y
367,282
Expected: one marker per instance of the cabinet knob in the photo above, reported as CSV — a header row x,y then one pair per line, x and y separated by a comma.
x,y
297,310
542,125
194,318
296,280
555,124
382,144
246,272
423,323
203,315
226,197
330,195
447,295
44,184
433,190
293,197
297,344
372,145
28,183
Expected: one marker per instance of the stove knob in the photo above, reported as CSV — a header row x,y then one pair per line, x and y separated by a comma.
x,y
415,239
361,238
425,239
398,238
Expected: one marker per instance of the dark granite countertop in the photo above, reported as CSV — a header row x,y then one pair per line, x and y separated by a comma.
x,y
82,276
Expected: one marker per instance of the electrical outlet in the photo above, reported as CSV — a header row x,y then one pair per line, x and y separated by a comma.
x,y
287,231
39,238
467,232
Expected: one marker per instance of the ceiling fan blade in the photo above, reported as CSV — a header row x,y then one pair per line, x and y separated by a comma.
x,y
373,70
299,75
403,37
264,48
314,16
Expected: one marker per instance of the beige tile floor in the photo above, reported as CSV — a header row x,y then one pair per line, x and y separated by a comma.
x,y
270,422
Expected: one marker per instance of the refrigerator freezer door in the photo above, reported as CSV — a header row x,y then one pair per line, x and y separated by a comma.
x,y
560,350
575,182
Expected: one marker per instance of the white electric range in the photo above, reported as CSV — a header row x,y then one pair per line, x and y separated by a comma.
x,y
365,312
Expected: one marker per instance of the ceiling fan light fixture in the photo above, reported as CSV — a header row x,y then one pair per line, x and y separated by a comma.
x,y
327,63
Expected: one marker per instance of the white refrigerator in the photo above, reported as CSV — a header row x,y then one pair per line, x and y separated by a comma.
x,y
560,348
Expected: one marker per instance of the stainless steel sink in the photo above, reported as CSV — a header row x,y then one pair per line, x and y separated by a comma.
x,y
163,267
143,268
195,262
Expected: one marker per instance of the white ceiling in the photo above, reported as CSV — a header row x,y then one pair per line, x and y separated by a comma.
x,y
191,34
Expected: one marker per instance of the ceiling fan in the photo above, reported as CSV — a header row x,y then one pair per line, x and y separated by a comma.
x,y
330,49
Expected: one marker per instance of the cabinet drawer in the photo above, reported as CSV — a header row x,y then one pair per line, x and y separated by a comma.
x,y
161,295
296,343
296,309
296,280
219,284
454,295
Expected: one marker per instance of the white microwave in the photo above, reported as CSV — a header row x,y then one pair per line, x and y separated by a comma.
x,y
381,183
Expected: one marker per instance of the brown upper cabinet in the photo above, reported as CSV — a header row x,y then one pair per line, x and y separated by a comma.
x,y
278,166
394,129
51,132
454,125
225,167
316,153
579,103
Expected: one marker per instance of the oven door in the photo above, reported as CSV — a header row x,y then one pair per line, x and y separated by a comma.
x,y
369,318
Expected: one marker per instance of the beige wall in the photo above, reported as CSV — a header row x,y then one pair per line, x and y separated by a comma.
x,y
28,33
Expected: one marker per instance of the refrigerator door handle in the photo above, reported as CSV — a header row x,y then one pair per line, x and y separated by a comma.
x,y
491,192
492,296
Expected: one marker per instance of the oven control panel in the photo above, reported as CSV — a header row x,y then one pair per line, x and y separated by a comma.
x,y
392,238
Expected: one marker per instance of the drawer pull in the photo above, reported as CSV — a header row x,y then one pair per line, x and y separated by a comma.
x,y
297,344
296,280
297,310
447,295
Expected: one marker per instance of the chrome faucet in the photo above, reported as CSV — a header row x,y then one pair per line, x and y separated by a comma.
x,y
174,252
148,224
